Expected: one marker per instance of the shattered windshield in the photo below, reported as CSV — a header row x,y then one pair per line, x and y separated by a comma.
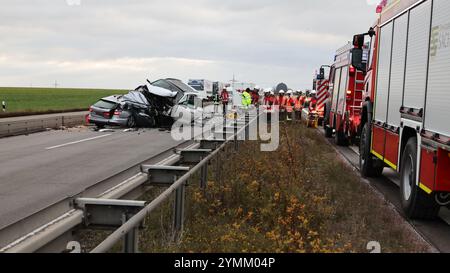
x,y
182,86
166,85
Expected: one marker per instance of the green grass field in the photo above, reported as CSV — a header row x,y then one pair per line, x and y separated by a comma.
x,y
47,100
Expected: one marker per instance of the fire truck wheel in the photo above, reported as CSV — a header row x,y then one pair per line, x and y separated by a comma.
x,y
369,166
416,203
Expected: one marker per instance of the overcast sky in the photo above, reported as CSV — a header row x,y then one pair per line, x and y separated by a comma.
x,y
120,43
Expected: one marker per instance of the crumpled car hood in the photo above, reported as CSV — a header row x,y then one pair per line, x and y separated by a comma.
x,y
161,92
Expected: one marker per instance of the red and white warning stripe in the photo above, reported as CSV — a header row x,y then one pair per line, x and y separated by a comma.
x,y
322,91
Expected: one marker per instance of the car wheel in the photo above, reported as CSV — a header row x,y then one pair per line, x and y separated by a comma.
x,y
368,166
416,203
131,122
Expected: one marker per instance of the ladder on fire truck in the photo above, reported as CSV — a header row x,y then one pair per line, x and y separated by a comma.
x,y
358,93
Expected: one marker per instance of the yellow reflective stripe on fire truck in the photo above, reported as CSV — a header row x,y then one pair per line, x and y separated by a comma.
x,y
377,155
425,188
392,165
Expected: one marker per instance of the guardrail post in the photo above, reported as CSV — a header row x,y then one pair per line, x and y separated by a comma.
x,y
131,239
236,143
257,117
218,169
224,129
247,127
179,208
204,176
202,121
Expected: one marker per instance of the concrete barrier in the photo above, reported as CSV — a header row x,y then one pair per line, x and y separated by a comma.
x,y
32,124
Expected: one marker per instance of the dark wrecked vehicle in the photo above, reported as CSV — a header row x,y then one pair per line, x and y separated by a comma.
x,y
146,106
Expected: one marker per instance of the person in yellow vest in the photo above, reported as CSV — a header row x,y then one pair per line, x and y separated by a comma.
x,y
246,98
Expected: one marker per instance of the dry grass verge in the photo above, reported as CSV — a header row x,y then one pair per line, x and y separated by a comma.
x,y
297,199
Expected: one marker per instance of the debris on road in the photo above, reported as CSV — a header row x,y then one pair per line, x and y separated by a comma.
x,y
106,131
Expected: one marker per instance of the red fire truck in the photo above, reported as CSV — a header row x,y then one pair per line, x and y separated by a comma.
x,y
344,107
404,121
321,85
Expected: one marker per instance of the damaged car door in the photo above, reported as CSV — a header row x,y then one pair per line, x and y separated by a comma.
x,y
187,110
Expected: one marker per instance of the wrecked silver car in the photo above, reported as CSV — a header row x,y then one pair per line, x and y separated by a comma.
x,y
146,106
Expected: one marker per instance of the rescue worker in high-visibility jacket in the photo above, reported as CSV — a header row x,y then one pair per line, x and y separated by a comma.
x,y
313,101
299,105
289,103
273,98
298,102
225,98
266,97
280,101
280,98
246,98
255,96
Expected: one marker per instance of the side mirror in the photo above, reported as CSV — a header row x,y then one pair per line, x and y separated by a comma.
x,y
358,40
357,59
371,32
321,75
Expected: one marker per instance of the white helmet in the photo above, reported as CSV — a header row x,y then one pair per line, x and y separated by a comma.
x,y
257,87
272,93
290,92
281,91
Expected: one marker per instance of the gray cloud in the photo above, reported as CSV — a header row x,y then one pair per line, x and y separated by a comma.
x,y
117,43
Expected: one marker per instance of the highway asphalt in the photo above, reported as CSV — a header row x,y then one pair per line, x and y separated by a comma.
x,y
41,169
436,232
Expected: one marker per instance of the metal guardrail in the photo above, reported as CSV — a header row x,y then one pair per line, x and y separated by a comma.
x,y
179,177
43,235
86,209
34,124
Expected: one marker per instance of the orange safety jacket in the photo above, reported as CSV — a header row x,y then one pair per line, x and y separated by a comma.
x,y
298,104
289,103
313,104
279,100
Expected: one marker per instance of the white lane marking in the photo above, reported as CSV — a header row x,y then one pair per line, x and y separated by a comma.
x,y
355,149
76,142
445,215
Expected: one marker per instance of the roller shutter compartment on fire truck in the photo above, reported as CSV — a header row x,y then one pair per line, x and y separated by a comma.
x,y
412,92
341,136
435,152
334,99
417,198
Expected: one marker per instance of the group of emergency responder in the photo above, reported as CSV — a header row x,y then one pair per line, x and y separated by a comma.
x,y
288,102
248,96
